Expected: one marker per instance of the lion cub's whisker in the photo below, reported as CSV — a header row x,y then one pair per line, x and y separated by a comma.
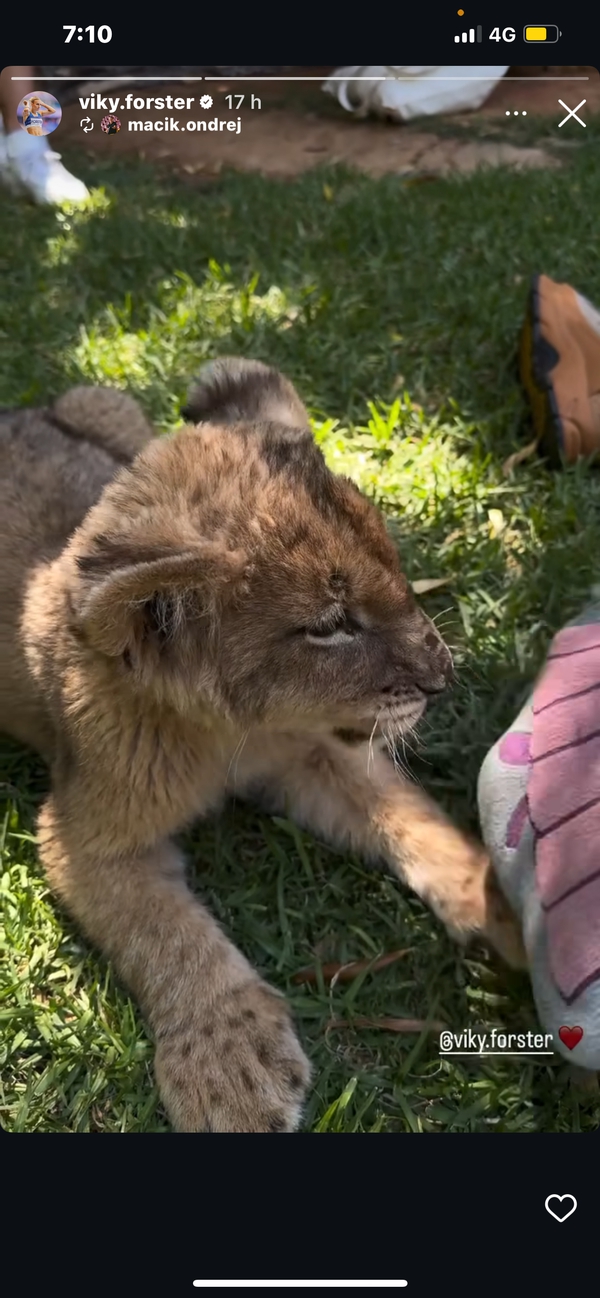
x,y
371,737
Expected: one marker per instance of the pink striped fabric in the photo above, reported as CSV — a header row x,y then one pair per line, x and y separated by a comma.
x,y
563,795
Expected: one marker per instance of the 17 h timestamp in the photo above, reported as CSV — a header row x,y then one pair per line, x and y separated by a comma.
x,y
239,100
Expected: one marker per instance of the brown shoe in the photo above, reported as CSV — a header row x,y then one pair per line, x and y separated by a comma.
x,y
560,370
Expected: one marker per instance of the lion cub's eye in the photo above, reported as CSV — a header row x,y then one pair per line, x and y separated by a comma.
x,y
337,630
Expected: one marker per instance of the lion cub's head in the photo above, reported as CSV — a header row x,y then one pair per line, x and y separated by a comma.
x,y
228,569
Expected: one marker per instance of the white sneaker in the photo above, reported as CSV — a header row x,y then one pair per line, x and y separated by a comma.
x,y
6,176
28,165
403,93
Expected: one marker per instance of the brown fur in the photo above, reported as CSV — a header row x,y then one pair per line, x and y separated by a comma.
x,y
164,644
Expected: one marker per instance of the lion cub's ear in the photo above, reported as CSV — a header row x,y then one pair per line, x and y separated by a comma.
x,y
129,598
232,390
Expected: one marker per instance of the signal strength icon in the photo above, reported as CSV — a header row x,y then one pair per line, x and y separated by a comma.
x,y
469,36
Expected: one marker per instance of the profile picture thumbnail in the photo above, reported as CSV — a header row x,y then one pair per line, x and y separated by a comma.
x,y
110,124
39,114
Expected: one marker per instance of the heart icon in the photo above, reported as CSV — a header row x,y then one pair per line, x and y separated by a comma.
x,y
570,1036
559,1199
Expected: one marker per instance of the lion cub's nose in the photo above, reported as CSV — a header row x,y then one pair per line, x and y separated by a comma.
x,y
433,670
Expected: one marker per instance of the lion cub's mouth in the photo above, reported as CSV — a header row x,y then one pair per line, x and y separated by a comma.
x,y
390,722
399,717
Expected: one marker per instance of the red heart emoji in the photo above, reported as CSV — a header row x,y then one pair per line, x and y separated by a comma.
x,y
570,1036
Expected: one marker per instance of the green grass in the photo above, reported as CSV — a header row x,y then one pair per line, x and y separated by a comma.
x,y
395,308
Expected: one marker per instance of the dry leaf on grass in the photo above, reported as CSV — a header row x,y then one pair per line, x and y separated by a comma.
x,y
524,454
497,522
344,973
425,178
387,1025
430,583
453,536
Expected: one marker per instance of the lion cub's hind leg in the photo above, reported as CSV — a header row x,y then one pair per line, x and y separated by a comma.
x,y
106,417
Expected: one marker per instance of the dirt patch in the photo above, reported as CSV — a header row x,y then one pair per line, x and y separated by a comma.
x,y
298,128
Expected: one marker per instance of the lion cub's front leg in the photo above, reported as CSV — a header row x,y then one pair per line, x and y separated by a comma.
x,y
353,797
227,1058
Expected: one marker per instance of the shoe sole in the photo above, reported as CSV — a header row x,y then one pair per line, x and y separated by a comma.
x,y
537,359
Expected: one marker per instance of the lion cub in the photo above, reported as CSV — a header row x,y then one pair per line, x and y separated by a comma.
x,y
221,614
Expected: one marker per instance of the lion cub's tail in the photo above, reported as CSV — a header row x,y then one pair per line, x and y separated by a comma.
x,y
232,390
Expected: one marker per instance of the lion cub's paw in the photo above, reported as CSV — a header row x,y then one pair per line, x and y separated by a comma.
x,y
502,927
478,909
237,1066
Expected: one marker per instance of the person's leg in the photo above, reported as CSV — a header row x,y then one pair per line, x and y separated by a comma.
x,y
11,94
27,163
539,816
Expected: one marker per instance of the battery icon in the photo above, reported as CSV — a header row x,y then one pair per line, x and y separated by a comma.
x,y
542,35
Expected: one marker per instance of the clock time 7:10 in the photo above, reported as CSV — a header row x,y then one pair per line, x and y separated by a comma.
x,y
103,34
